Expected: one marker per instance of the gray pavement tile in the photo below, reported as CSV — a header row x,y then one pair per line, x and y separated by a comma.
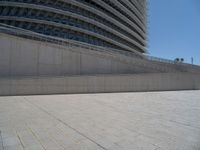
x,y
115,121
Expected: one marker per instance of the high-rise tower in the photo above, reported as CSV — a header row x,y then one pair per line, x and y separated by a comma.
x,y
116,24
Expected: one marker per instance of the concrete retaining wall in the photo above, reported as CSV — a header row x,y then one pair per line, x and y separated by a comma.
x,y
24,57
100,83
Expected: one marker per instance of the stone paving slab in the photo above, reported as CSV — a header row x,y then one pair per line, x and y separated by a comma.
x,y
115,121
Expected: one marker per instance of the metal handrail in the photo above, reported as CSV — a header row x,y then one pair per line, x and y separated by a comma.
x,y
152,58
163,60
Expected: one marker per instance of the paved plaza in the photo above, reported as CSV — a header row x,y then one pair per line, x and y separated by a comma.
x,y
113,121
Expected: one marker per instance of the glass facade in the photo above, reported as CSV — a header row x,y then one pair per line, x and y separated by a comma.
x,y
117,24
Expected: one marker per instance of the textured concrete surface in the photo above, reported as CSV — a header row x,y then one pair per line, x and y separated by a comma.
x,y
99,84
23,57
118,121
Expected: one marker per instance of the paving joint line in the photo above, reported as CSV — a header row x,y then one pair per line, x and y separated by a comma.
x,y
45,111
36,137
183,124
20,140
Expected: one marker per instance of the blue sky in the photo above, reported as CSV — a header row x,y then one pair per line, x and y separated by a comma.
x,y
174,29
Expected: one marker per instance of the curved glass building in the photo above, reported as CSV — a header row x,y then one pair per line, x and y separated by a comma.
x,y
116,24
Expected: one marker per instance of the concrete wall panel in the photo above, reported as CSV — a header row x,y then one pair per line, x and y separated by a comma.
x,y
77,84
23,57
70,62
99,83
25,86
5,87
91,64
4,56
52,84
